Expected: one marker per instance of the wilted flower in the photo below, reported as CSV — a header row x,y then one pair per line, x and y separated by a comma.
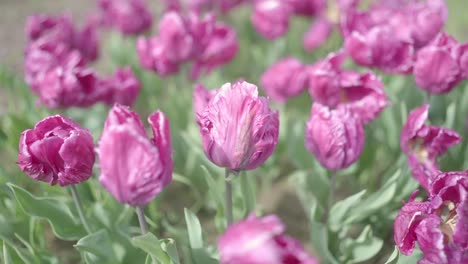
x,y
57,150
438,225
437,67
286,78
131,17
239,130
271,18
261,241
123,87
335,137
424,144
134,169
362,94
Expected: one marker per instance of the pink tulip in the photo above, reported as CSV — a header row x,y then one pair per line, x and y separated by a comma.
x,y
424,144
123,87
317,34
335,87
201,97
131,17
152,56
57,150
437,68
134,168
261,241
307,7
239,130
334,137
286,78
271,18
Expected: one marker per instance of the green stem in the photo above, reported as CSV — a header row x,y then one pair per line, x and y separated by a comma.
x,y
228,198
79,207
331,198
141,219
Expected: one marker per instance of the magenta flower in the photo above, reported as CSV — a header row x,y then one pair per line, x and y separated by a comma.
x,y
49,30
271,18
68,85
152,56
134,169
123,87
437,68
317,34
174,33
131,17
334,137
201,98
307,7
57,150
362,94
261,241
217,44
424,144
239,130
438,225
286,78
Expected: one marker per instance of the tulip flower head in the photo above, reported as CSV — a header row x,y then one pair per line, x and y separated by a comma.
x,y
134,168
239,130
286,78
131,17
439,224
57,150
334,136
424,144
261,241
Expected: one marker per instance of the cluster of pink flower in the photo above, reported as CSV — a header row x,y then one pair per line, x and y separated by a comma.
x,y
134,169
206,42
57,65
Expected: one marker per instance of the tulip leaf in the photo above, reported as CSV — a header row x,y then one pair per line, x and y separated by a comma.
x,y
169,245
393,259
319,239
99,244
6,255
248,185
340,211
152,245
25,254
364,247
199,254
55,211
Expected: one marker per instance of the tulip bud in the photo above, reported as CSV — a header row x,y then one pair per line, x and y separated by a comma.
x,y
131,17
261,241
239,130
335,137
271,18
135,169
286,78
57,150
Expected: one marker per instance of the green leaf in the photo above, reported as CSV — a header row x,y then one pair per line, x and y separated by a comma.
x,y
194,229
341,210
393,259
319,239
376,201
151,245
199,254
99,244
25,255
169,245
55,211
365,246
6,255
